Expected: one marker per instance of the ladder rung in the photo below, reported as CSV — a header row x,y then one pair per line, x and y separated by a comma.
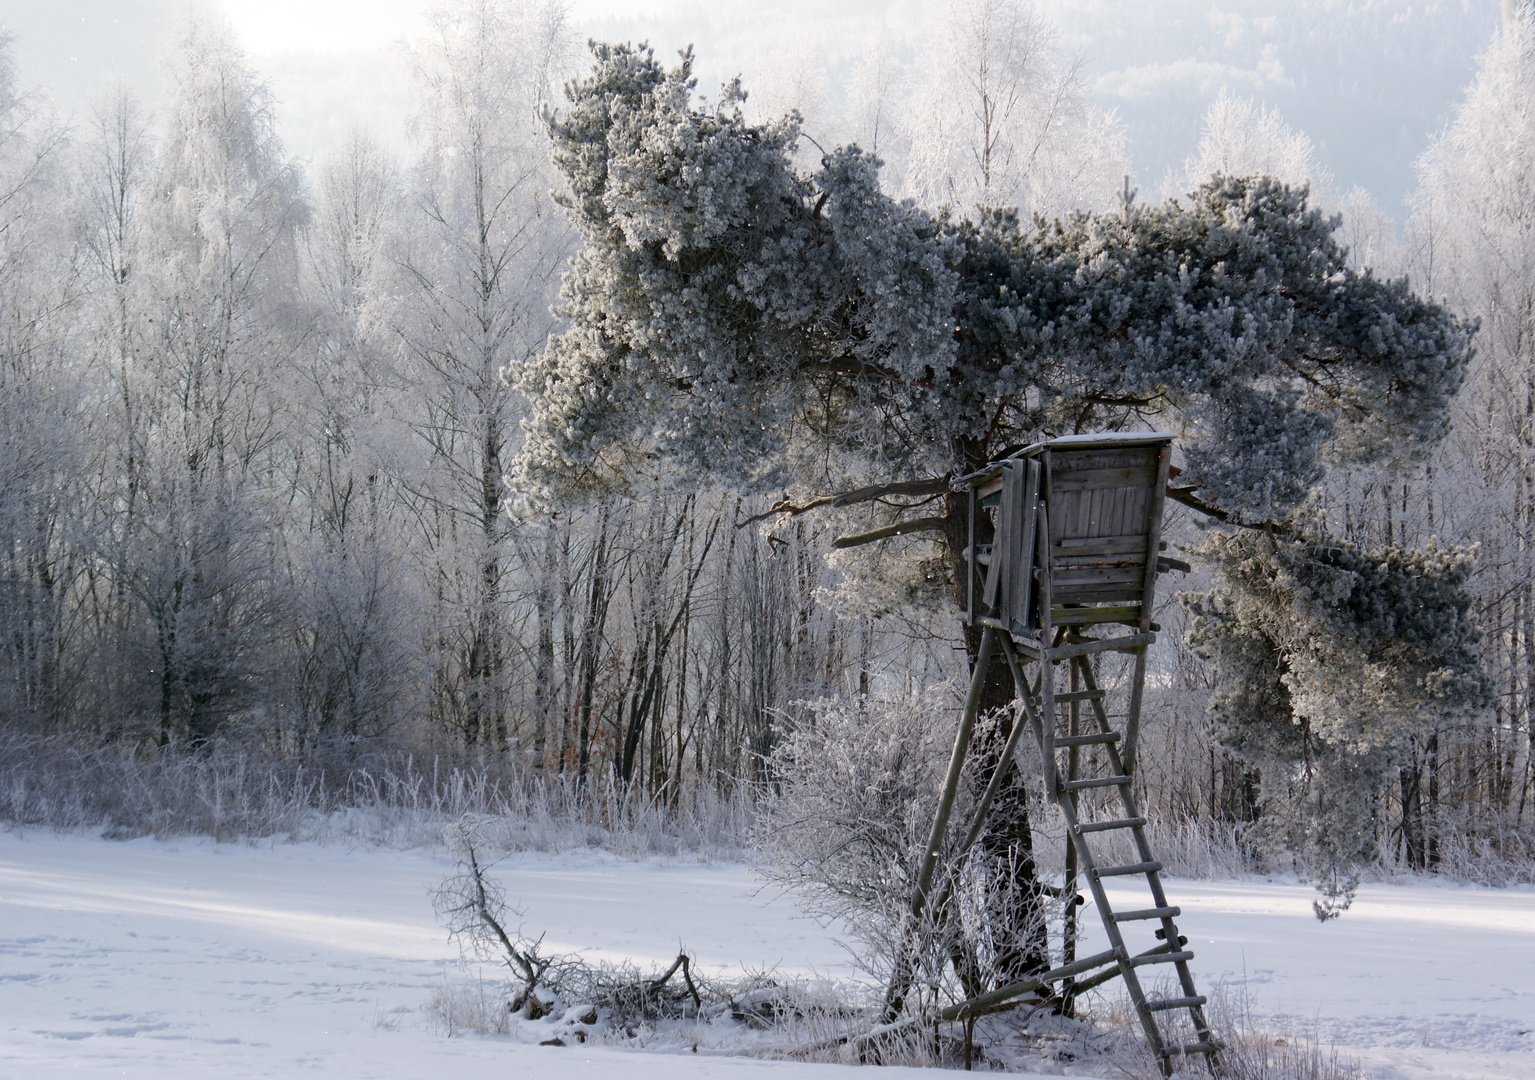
x,y
1133,868
1193,1048
1086,740
1102,781
1176,1003
1158,955
1148,913
1079,695
1117,823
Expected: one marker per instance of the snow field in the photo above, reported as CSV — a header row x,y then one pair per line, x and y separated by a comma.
x,y
1414,980
195,959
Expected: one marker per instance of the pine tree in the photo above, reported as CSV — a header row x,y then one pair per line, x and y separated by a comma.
x,y
736,319
1327,660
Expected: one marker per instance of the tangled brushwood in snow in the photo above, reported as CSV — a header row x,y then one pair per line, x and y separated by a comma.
x,y
565,998
592,998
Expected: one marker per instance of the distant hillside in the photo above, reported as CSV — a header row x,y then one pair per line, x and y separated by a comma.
x,y
1369,80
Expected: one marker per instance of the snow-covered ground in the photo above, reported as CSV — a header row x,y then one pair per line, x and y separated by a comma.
x,y
193,959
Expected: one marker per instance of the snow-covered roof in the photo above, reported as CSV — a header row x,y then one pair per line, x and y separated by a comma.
x,y
1071,442
1098,438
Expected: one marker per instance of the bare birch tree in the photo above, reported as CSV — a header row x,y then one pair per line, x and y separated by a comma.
x,y
216,323
476,267
40,436
354,636
1242,138
1001,119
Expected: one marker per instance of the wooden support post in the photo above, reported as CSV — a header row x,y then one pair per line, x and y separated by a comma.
x,y
1004,765
1069,880
1154,512
952,778
900,980
1047,667
970,563
1133,714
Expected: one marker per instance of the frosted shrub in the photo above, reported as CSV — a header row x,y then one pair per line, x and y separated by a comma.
x,y
844,822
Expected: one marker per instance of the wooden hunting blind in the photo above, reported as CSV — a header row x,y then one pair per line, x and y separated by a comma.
x,y
1070,574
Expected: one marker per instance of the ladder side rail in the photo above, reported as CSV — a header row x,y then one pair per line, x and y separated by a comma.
x,y
1131,808
1069,879
1169,926
1142,846
1111,929
1159,897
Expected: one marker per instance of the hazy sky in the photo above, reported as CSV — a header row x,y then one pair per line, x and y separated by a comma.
x,y
1369,80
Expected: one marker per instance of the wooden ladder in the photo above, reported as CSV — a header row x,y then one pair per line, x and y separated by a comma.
x,y
1092,762
1076,549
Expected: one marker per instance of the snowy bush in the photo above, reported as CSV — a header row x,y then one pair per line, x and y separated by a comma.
x,y
844,823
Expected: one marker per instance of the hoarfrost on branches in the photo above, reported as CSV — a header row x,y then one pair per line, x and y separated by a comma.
x,y
1002,121
1327,658
737,318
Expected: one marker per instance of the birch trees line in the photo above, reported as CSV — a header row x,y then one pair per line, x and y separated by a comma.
x,y
257,423
1470,238
255,432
